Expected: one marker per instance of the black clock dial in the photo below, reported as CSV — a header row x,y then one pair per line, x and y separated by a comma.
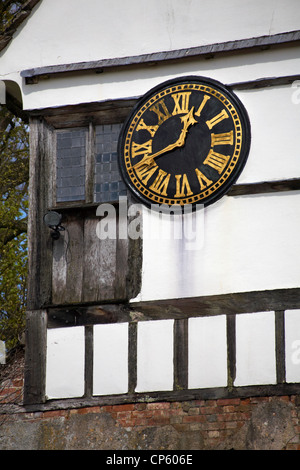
x,y
185,142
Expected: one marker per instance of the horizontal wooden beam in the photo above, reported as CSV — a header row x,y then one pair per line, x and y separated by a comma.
x,y
244,302
116,111
172,395
81,115
265,187
207,51
264,82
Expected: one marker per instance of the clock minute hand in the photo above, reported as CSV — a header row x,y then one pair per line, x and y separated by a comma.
x,y
150,158
187,120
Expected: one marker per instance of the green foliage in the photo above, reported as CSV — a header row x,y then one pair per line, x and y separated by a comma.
x,y
8,10
14,161
13,275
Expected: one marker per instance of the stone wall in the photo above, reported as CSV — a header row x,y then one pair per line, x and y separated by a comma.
x,y
256,423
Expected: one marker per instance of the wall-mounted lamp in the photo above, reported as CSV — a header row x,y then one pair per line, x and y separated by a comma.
x,y
53,220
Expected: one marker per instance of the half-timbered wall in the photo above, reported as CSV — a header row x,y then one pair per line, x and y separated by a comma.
x,y
165,316
212,356
213,312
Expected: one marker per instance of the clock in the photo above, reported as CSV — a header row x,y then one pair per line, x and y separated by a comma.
x,y
186,141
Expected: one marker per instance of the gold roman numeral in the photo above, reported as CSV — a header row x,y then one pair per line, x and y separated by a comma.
x,y
182,187
218,161
222,139
203,180
143,126
141,149
161,110
145,171
218,118
203,103
181,101
160,184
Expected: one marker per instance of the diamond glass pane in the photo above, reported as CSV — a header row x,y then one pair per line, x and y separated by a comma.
x,y
70,161
108,182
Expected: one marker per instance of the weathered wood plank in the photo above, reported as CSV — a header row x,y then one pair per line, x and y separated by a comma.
x,y
280,346
40,197
132,357
231,349
181,354
73,253
87,270
67,269
122,254
99,264
80,315
35,357
244,302
59,270
89,361
81,115
135,259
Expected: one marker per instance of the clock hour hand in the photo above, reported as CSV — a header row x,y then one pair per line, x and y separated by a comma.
x,y
188,120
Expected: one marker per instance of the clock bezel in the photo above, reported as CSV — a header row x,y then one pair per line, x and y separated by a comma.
x,y
243,154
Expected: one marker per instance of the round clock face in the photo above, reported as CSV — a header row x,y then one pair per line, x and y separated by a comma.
x,y
185,142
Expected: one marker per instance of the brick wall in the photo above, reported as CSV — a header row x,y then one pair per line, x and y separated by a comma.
x,y
238,423
12,379
203,424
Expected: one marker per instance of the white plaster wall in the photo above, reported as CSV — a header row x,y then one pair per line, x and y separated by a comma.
x,y
242,243
65,362
110,366
245,243
207,352
122,84
292,345
65,31
255,349
114,28
207,355
155,356
249,243
274,115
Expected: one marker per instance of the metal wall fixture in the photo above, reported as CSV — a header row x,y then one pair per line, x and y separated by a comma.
x,y
53,220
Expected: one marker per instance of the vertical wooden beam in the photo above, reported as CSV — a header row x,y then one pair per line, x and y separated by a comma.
x,y
40,198
35,357
181,354
280,346
122,250
89,360
73,255
39,260
135,259
132,357
231,350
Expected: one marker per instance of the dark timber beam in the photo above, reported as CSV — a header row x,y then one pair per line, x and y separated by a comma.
x,y
35,357
225,304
